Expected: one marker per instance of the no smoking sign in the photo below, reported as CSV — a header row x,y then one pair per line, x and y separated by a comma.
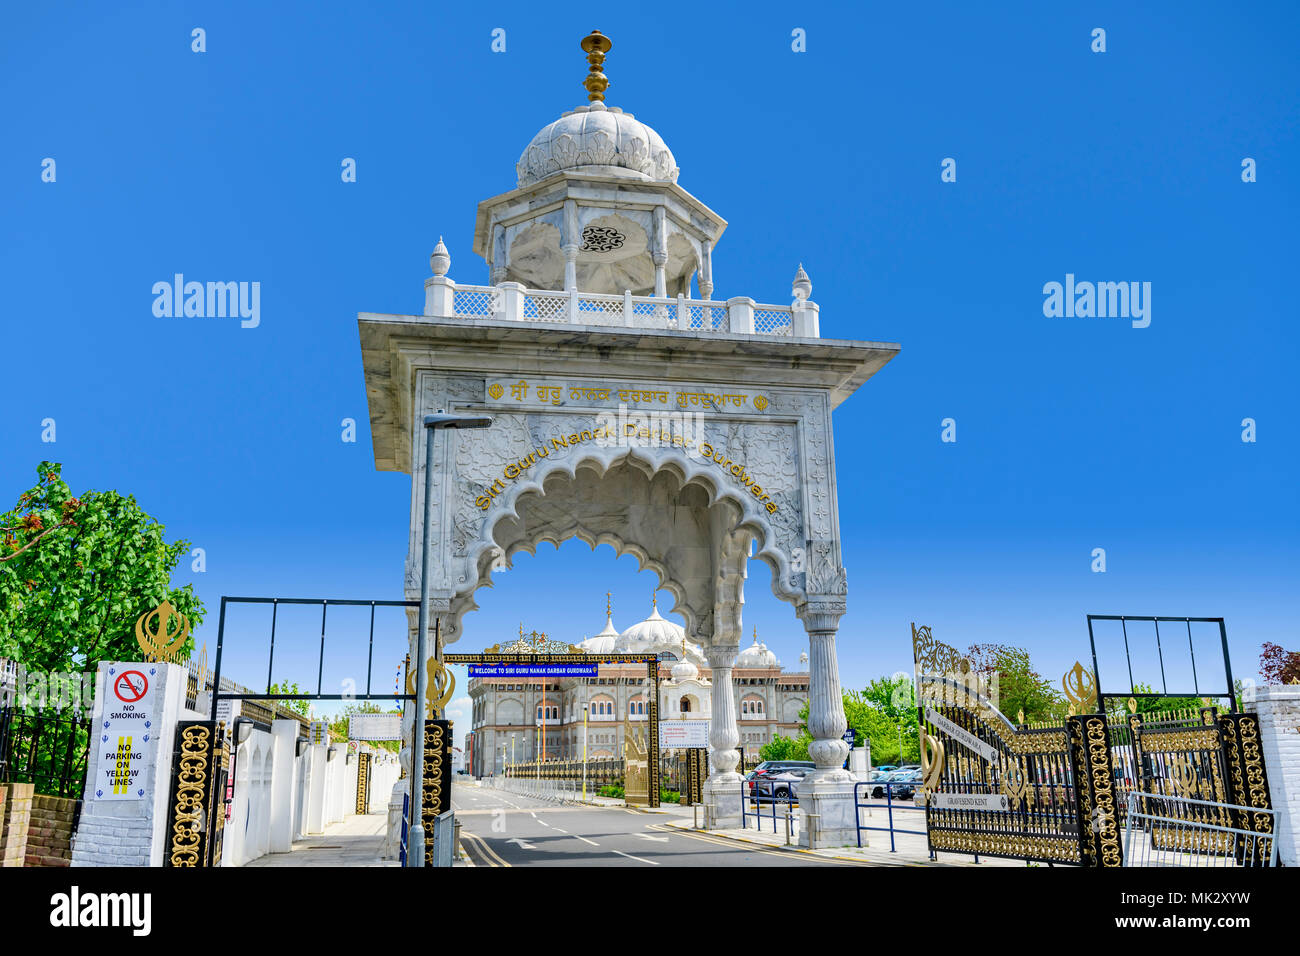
x,y
130,686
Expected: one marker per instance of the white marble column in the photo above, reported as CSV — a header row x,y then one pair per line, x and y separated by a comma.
x,y
722,789
570,242
704,281
826,804
660,253
826,721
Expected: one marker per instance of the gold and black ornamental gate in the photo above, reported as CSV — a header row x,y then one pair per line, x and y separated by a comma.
x,y
995,788
196,812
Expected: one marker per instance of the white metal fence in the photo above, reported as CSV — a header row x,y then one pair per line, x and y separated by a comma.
x,y
1179,831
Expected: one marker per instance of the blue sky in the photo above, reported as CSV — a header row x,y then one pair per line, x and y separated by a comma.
x,y
1073,434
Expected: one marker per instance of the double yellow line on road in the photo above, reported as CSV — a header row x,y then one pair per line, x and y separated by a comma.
x,y
488,855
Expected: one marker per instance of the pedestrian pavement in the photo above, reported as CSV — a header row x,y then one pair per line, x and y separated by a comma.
x,y
356,841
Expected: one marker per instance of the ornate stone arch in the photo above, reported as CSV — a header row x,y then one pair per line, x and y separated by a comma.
x,y
622,496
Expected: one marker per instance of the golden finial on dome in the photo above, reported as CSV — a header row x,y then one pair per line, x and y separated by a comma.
x,y
654,600
597,45
609,604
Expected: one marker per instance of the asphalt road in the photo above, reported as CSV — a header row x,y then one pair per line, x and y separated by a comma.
x,y
507,829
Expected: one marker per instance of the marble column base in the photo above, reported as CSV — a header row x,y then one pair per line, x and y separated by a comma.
x,y
826,812
722,801
392,845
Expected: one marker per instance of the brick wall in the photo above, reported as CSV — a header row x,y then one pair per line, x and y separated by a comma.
x,y
49,838
17,819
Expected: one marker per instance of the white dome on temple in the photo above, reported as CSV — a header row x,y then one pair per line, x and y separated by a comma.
x,y
655,633
602,139
684,670
757,655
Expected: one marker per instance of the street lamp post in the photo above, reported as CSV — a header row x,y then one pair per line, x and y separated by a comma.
x,y
584,753
432,423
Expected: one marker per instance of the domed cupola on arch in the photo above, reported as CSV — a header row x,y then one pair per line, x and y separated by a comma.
x,y
597,207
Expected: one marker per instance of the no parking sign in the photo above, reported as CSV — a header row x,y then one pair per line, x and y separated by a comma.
x,y
127,732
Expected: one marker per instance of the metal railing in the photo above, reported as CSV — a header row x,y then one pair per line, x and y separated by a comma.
x,y
47,748
756,799
888,786
513,302
1174,831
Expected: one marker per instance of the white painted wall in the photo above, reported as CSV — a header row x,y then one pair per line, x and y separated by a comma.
x,y
272,786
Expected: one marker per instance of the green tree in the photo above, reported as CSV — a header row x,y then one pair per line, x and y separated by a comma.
x,y
1020,687
77,571
885,714
786,748
1118,707
297,706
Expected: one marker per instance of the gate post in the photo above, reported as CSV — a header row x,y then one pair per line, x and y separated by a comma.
x,y
652,745
436,791
196,812
132,828
1094,783
1247,780
363,783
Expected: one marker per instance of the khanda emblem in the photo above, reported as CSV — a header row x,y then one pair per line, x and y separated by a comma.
x,y
442,684
931,761
1080,687
1015,785
166,638
1182,775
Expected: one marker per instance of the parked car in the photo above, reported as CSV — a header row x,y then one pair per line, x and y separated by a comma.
x,y
775,766
782,784
905,783
886,767
878,777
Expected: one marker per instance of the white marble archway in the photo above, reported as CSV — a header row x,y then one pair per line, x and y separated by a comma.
x,y
682,512
691,453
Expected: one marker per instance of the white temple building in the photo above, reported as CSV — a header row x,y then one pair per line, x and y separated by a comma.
x,y
511,714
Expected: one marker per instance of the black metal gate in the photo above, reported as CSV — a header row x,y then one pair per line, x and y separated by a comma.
x,y
1206,756
1042,793
993,788
195,813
